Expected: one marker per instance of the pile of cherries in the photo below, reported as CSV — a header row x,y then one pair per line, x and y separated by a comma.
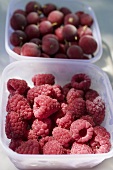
x,y
51,32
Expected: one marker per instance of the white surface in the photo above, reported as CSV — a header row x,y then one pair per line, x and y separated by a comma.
x,y
104,13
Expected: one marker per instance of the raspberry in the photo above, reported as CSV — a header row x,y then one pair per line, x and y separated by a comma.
x,y
102,132
38,90
15,127
100,144
44,140
62,135
91,94
89,119
81,130
41,128
65,121
29,147
53,147
66,88
58,93
96,109
78,148
44,106
19,104
81,81
17,86
32,135
77,107
40,79
15,143
73,94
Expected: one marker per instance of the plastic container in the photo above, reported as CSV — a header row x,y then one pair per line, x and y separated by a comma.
x,y
74,5
63,72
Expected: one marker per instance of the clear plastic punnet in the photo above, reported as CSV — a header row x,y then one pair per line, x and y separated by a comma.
x,y
63,71
74,6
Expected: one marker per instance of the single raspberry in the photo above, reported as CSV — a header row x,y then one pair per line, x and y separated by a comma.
x,y
53,147
45,89
17,86
44,106
78,148
41,128
81,130
65,121
62,135
102,132
66,88
19,104
73,94
81,81
15,143
96,109
91,94
100,144
89,119
77,107
15,127
29,147
44,140
58,93
40,79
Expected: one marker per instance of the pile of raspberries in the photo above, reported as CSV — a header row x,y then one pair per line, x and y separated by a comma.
x,y
50,119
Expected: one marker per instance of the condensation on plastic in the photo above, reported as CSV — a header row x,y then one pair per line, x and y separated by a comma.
x,y
63,71
74,5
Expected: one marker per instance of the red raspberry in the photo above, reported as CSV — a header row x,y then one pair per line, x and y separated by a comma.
x,y
41,128
66,88
58,93
19,104
15,127
78,148
17,86
89,119
91,94
73,94
96,109
32,135
40,79
29,147
81,81
65,121
15,143
100,145
45,89
77,107
81,130
62,135
102,132
44,140
53,147
44,106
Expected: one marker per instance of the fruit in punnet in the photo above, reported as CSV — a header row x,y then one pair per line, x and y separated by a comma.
x,y
61,23
50,119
